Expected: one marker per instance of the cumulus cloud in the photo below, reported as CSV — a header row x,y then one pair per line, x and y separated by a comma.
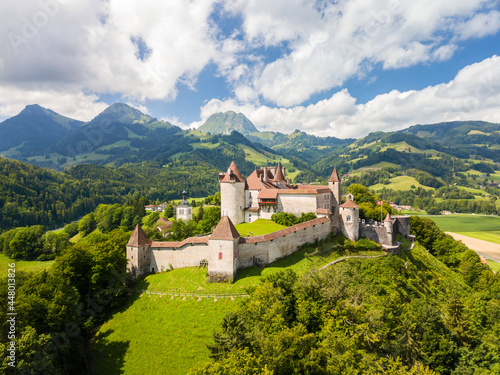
x,y
341,40
140,50
473,94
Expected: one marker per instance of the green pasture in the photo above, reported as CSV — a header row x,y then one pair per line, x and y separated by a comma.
x,y
158,335
153,334
466,224
495,266
258,227
22,265
400,183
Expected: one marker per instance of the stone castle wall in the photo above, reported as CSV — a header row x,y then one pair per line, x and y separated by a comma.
x,y
376,232
268,248
189,255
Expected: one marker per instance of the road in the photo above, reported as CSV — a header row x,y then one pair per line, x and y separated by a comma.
x,y
484,248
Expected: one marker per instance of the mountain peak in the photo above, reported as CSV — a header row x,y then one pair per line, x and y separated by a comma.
x,y
121,112
225,123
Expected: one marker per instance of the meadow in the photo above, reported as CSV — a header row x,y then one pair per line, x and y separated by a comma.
x,y
258,227
22,265
167,332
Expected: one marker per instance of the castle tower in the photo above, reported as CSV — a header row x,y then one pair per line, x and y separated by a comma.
x,y
232,194
388,223
138,253
349,213
184,211
279,179
223,258
334,185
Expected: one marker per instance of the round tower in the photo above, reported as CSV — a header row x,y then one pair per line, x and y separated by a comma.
x,y
232,194
389,226
184,211
349,213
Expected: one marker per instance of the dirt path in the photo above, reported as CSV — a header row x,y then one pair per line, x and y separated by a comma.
x,y
488,249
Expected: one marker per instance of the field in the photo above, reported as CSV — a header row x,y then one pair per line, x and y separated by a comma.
x,y
167,334
22,265
158,335
467,223
400,183
481,227
258,227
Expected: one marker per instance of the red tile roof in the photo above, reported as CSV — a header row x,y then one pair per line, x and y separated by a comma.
x,y
349,204
233,173
252,209
300,190
323,211
334,177
268,194
278,177
283,232
254,182
138,237
225,230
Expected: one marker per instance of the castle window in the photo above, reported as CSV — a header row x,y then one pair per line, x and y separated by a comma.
x,y
348,218
220,255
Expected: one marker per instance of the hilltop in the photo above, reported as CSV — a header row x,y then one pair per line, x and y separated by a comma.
x,y
226,123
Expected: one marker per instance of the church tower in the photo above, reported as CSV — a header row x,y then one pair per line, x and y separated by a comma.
x,y
232,194
184,211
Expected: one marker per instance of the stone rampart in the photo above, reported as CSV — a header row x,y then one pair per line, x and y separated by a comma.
x,y
270,247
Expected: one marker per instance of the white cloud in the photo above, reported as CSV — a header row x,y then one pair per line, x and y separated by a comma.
x,y
480,25
344,39
474,94
88,46
76,105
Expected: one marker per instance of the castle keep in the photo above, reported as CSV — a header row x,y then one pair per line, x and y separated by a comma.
x,y
265,192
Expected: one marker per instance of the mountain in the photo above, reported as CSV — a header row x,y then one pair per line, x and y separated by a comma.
x,y
121,113
227,122
34,129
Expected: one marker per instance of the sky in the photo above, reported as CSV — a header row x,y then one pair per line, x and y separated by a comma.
x,y
340,68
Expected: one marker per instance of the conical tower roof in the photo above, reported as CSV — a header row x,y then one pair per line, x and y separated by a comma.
x,y
388,217
278,177
234,172
225,230
139,238
334,177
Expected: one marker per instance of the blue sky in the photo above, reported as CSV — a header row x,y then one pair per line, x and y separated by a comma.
x,y
330,68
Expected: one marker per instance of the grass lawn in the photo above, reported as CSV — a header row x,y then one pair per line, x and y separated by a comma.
x,y
22,265
258,228
164,335
158,335
467,223
400,183
495,266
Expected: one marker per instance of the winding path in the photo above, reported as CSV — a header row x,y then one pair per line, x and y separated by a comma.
x,y
350,257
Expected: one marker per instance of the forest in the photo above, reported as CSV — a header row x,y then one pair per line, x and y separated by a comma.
x,y
433,310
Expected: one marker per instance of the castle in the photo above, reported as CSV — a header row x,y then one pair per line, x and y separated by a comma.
x,y
265,192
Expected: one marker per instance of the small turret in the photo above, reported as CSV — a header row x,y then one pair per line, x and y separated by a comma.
x,y
389,224
184,211
279,179
349,212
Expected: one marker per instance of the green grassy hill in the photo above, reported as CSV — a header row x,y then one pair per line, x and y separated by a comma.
x,y
170,327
